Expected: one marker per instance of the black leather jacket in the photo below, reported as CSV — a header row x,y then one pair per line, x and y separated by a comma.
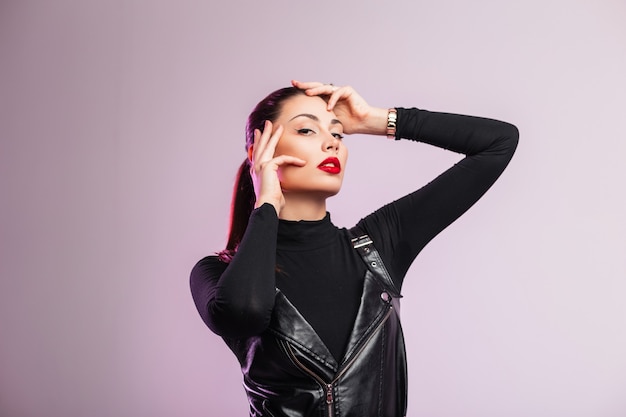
x,y
288,371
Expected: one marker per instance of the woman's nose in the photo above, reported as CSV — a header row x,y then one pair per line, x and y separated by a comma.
x,y
332,143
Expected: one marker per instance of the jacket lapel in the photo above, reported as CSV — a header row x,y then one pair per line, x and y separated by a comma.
x,y
377,297
290,325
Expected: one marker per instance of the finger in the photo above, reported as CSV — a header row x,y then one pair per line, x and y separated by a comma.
x,y
288,160
260,141
322,90
273,141
306,85
269,145
275,163
315,88
339,94
255,145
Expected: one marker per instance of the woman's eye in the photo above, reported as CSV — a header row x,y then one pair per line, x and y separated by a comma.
x,y
306,132
338,136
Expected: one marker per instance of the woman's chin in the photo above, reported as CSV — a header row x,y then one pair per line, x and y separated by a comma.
x,y
312,193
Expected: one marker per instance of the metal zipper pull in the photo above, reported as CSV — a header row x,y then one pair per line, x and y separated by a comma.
x,y
330,400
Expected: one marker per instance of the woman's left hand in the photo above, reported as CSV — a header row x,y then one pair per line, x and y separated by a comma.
x,y
351,109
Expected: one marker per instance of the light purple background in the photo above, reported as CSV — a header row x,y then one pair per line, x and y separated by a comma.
x,y
121,126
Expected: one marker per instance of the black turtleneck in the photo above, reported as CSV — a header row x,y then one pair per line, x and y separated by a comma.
x,y
321,274
313,263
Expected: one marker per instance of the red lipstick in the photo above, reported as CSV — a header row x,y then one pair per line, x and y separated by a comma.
x,y
330,165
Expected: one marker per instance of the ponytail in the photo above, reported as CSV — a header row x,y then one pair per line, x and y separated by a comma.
x,y
240,209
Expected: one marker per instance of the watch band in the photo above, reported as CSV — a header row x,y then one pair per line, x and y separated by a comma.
x,y
392,118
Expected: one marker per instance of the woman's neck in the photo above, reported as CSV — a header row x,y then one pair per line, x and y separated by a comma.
x,y
303,207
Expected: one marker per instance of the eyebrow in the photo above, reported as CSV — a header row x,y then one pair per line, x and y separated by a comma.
x,y
315,118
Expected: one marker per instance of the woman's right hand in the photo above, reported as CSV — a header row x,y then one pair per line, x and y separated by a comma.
x,y
264,167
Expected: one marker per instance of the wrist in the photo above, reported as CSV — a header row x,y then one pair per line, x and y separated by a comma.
x,y
269,202
376,122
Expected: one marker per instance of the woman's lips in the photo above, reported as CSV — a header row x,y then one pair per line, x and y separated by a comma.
x,y
330,165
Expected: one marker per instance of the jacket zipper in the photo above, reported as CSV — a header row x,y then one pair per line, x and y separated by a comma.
x,y
328,387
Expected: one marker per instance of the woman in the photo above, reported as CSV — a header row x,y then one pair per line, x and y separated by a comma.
x,y
309,309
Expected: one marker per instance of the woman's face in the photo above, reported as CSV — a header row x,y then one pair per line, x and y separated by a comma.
x,y
314,134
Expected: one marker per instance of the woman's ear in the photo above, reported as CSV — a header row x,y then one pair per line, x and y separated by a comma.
x,y
250,149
